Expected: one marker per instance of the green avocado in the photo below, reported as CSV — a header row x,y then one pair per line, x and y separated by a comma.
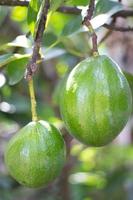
x,y
36,154
96,101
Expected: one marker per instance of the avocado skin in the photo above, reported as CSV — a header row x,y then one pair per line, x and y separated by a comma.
x,y
36,154
96,101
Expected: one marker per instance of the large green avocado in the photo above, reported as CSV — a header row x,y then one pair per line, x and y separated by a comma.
x,y
36,154
96,101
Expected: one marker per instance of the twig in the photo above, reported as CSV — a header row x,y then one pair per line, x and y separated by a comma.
x,y
14,3
87,23
115,28
90,10
77,11
108,33
25,3
112,27
123,14
64,9
69,10
32,66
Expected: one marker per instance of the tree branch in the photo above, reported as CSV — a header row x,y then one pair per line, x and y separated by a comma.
x,y
32,66
77,11
69,10
123,14
108,33
90,10
64,9
87,23
14,3
115,28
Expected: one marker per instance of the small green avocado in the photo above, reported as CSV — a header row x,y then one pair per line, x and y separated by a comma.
x,y
36,154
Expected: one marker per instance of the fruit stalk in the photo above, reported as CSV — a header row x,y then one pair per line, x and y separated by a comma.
x,y
87,23
33,100
94,38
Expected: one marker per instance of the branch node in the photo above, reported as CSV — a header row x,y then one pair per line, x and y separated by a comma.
x,y
33,63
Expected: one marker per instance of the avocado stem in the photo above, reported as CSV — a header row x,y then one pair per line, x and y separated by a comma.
x,y
33,100
94,39
88,24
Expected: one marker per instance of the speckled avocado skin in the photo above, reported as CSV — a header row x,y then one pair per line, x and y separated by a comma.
x,y
96,101
36,154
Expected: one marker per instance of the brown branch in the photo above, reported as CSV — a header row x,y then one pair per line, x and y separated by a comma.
x,y
123,14
32,66
90,10
77,11
14,3
115,28
64,9
25,3
108,33
87,23
69,10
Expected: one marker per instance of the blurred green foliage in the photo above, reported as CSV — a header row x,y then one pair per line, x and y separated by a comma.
x,y
96,173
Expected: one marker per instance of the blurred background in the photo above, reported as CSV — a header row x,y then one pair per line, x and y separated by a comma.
x,y
90,173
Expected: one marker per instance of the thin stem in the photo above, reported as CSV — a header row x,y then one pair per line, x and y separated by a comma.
x,y
32,65
117,28
33,100
94,39
35,58
14,3
87,23
108,33
90,10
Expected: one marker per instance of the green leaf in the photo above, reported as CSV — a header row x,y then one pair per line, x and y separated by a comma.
x,y
72,27
55,4
62,20
19,41
4,59
57,91
53,53
45,113
7,58
77,44
104,6
19,13
16,69
3,13
33,10
41,6
20,102
77,2
104,10
49,39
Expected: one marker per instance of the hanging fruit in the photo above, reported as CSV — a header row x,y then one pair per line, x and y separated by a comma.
x,y
36,154
96,101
